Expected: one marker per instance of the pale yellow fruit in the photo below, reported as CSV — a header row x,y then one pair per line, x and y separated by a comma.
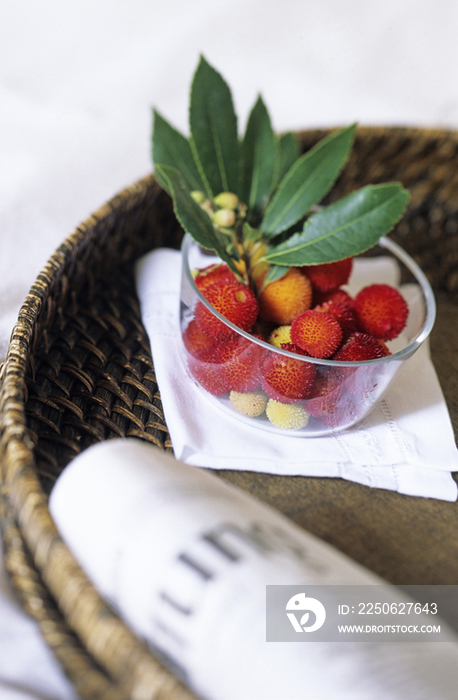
x,y
288,416
250,403
280,335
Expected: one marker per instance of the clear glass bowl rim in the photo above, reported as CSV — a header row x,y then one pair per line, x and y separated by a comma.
x,y
403,354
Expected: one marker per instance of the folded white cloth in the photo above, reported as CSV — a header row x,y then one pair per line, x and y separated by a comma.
x,y
406,444
185,558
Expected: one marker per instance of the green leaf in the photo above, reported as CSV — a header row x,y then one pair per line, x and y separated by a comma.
x,y
193,219
213,125
172,148
257,160
307,182
349,227
287,153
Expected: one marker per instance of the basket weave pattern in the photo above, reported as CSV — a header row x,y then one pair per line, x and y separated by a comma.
x,y
79,370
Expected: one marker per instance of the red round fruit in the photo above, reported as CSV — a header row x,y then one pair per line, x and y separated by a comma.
x,y
195,341
208,275
208,375
316,332
326,402
286,379
340,296
381,311
329,276
343,313
359,347
241,371
233,300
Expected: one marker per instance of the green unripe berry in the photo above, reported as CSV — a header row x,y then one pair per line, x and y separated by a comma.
x,y
226,200
224,218
198,196
207,206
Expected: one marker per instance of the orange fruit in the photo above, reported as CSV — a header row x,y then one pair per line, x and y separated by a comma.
x,y
282,300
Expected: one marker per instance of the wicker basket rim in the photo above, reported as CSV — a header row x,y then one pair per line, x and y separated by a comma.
x,y
20,483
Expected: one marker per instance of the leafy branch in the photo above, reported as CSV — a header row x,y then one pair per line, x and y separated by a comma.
x,y
257,197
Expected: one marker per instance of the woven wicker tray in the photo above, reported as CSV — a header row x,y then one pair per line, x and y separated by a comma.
x,y
79,370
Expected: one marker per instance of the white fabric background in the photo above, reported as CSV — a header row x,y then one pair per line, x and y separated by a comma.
x,y
77,83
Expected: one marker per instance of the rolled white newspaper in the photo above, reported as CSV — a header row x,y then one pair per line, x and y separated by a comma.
x,y
185,559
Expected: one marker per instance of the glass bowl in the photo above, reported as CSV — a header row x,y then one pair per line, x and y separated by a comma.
x,y
342,393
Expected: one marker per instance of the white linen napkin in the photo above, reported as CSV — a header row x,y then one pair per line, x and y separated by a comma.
x,y
185,559
406,444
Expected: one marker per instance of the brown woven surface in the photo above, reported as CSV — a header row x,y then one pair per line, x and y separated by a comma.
x,y
79,370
